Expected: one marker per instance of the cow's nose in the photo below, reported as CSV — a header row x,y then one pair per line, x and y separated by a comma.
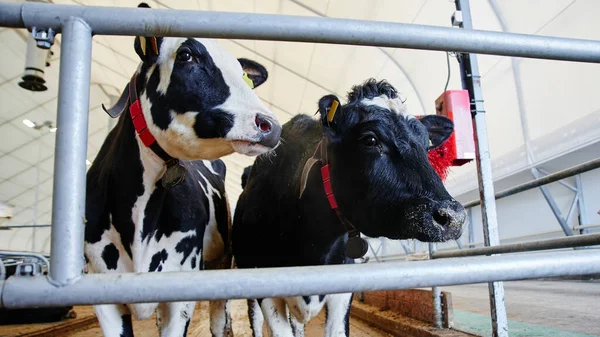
x,y
451,215
263,124
270,130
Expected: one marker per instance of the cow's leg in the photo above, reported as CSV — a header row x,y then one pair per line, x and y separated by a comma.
x,y
303,308
220,319
276,315
173,318
217,254
256,318
297,327
115,320
338,315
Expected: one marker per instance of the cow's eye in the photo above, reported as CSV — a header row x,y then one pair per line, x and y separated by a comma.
x,y
184,56
369,140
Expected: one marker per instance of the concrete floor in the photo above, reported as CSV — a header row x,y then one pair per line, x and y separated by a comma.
x,y
568,306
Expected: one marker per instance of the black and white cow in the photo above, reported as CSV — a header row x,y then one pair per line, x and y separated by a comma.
x,y
189,102
381,183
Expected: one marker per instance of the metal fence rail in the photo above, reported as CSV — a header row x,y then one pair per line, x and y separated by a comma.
x,y
581,168
294,281
568,242
160,22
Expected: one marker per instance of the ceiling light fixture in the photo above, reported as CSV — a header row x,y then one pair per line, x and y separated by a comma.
x,y
34,125
29,123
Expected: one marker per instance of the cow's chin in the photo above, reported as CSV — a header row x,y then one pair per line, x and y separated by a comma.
x,y
248,148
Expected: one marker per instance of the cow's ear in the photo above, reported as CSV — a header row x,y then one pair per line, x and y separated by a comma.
x,y
254,73
329,107
439,129
147,47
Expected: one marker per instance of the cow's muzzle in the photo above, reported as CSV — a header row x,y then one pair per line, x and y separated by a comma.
x,y
269,130
449,216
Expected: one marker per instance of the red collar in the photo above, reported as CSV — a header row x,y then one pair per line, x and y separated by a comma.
x,y
175,173
356,246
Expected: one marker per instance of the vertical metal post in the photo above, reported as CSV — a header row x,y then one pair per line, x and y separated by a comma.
x,y
68,203
472,81
581,205
436,296
471,227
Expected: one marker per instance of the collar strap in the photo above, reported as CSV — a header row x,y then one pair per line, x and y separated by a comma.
x,y
175,173
141,126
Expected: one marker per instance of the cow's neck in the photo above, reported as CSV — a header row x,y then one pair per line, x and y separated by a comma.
x,y
153,166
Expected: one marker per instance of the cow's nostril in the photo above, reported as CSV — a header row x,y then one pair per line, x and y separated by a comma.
x,y
442,217
263,124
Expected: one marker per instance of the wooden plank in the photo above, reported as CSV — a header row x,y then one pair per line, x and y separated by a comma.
x,y
398,325
413,303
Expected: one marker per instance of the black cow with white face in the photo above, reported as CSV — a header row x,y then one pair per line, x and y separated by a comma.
x,y
382,184
155,203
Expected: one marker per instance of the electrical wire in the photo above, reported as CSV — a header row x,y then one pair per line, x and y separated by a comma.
x,y
448,65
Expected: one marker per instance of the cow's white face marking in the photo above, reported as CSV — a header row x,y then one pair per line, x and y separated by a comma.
x,y
393,104
180,138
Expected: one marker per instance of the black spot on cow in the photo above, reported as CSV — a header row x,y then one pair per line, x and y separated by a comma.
x,y
110,255
193,262
157,260
187,324
126,328
186,246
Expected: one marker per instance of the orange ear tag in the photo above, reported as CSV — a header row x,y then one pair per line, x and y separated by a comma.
x,y
332,110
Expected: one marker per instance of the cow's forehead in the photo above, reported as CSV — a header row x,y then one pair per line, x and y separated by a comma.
x,y
228,65
395,105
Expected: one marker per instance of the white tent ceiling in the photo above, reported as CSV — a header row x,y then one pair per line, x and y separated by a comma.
x,y
546,105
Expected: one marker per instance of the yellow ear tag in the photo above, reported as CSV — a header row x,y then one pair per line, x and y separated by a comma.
x,y
143,44
248,80
332,110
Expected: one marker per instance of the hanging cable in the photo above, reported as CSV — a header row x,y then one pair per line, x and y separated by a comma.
x,y
448,65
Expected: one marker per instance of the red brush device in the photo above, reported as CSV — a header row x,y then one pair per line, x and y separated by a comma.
x,y
459,149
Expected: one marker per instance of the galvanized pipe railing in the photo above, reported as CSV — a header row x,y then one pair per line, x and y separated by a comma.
x,y
21,292
567,242
161,22
578,169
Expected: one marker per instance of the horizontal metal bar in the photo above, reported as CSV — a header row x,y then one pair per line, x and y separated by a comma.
x,y
16,254
21,292
161,22
587,166
567,242
24,226
10,15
